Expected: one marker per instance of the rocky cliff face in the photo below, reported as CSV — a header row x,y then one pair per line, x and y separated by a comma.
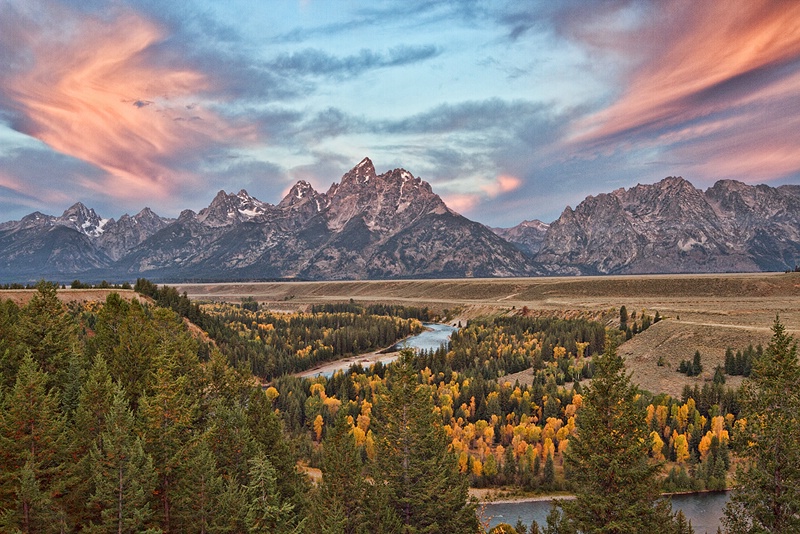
x,y
671,227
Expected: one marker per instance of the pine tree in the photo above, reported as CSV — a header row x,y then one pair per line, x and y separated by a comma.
x,y
89,421
339,503
414,462
767,493
167,421
31,451
48,332
267,430
549,475
623,318
122,472
615,484
266,512
197,509
230,440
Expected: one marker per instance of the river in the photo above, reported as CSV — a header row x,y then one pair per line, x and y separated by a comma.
x,y
432,338
704,510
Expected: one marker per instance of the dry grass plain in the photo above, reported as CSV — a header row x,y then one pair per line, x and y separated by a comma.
x,y
23,296
702,312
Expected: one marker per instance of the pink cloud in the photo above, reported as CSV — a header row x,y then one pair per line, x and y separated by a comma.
x,y
708,70
502,184
97,95
465,202
461,202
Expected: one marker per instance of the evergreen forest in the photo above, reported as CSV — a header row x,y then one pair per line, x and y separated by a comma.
x,y
159,414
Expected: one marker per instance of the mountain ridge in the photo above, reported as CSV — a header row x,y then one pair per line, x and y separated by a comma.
x,y
392,225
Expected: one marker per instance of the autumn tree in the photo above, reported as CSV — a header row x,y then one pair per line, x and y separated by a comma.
x,y
616,486
414,462
767,493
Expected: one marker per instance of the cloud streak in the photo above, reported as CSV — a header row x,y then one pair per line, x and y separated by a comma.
x,y
98,96
710,70
314,62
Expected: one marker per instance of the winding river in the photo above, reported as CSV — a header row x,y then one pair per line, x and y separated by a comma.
x,y
432,338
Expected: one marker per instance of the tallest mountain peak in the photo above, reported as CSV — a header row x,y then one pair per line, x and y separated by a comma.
x,y
361,173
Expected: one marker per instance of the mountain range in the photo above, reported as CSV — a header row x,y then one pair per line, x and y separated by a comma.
x,y
392,225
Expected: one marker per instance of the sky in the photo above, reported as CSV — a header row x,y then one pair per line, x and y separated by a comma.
x,y
510,110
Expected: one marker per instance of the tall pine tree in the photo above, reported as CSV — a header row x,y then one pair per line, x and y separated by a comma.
x,y
122,472
616,486
31,452
767,493
339,502
415,465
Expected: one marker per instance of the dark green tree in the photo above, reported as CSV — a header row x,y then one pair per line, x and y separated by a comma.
x,y
199,509
31,452
46,329
549,474
122,473
616,486
697,366
266,512
168,425
767,493
267,430
340,499
414,461
88,422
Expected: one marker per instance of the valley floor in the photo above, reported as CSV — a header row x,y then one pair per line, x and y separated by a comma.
x,y
708,312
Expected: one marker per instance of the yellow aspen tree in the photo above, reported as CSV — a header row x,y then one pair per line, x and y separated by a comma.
x,y
681,448
705,445
318,424
657,447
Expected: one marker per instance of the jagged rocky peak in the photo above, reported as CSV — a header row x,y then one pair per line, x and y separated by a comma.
x,y
146,215
404,179
248,206
300,193
361,173
186,215
83,219
526,236
228,209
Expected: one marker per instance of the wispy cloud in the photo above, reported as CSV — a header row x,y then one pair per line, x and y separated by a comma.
x,y
96,94
712,74
314,62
